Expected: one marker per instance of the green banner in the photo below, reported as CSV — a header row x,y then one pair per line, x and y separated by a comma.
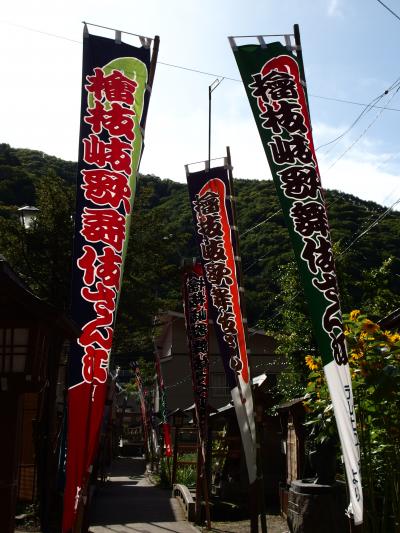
x,y
278,100
274,82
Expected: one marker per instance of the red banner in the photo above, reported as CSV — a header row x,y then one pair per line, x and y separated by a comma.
x,y
163,408
196,314
212,210
113,110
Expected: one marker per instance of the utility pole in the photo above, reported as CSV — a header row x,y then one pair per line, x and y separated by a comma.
x,y
211,89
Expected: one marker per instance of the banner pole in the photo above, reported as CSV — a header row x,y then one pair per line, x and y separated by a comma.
x,y
198,484
204,489
152,70
195,272
209,126
153,62
259,483
299,54
211,89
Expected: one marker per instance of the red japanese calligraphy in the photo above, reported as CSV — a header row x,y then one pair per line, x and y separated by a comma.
x,y
106,267
117,120
105,187
116,153
103,298
114,87
109,269
94,364
92,335
86,263
104,225
104,305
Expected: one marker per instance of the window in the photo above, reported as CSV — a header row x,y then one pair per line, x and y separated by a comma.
x,y
13,349
218,385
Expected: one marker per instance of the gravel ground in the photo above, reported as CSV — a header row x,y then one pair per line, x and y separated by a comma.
x,y
275,524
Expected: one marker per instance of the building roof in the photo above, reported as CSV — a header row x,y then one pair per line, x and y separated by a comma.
x,y
17,301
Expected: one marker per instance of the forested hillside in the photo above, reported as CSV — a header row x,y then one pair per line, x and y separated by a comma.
x,y
161,236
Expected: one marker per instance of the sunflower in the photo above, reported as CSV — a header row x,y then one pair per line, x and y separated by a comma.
x,y
354,314
395,337
356,354
369,327
310,362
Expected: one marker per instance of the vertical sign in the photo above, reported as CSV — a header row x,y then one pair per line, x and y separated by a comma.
x,y
196,316
213,218
113,111
273,80
143,407
163,407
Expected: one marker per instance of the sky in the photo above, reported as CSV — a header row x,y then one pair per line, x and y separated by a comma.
x,y
350,51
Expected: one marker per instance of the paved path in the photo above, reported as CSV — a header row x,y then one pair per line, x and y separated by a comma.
x,y
129,503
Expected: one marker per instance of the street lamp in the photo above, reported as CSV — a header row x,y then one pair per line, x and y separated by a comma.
x,y
27,215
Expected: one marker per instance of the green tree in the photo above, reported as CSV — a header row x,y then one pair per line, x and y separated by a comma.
x,y
151,277
374,360
42,253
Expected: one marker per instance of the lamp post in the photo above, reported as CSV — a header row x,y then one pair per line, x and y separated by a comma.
x,y
27,215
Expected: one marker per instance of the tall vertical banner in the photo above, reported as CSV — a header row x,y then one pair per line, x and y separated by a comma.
x,y
272,76
143,406
210,200
196,316
115,98
163,407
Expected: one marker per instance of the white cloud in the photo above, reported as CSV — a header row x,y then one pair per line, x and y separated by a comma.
x,y
334,9
363,176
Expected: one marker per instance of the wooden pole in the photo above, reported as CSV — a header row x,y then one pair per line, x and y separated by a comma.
x,y
175,459
10,448
169,470
198,485
257,488
207,502
152,69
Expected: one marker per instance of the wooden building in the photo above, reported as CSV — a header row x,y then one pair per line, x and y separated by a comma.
x,y
32,384
172,347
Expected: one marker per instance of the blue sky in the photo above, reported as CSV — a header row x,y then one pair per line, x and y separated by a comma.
x,y
350,52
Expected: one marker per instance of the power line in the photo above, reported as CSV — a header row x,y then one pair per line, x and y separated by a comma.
x,y
363,133
388,8
189,69
352,102
197,71
358,118
374,223
262,222
34,30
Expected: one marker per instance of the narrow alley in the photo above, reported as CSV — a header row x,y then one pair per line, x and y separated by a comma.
x,y
128,503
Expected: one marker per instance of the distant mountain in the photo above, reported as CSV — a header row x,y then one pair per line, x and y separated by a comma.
x,y
265,247
21,168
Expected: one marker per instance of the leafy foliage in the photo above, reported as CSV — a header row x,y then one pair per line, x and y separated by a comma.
x,y
374,360
162,234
